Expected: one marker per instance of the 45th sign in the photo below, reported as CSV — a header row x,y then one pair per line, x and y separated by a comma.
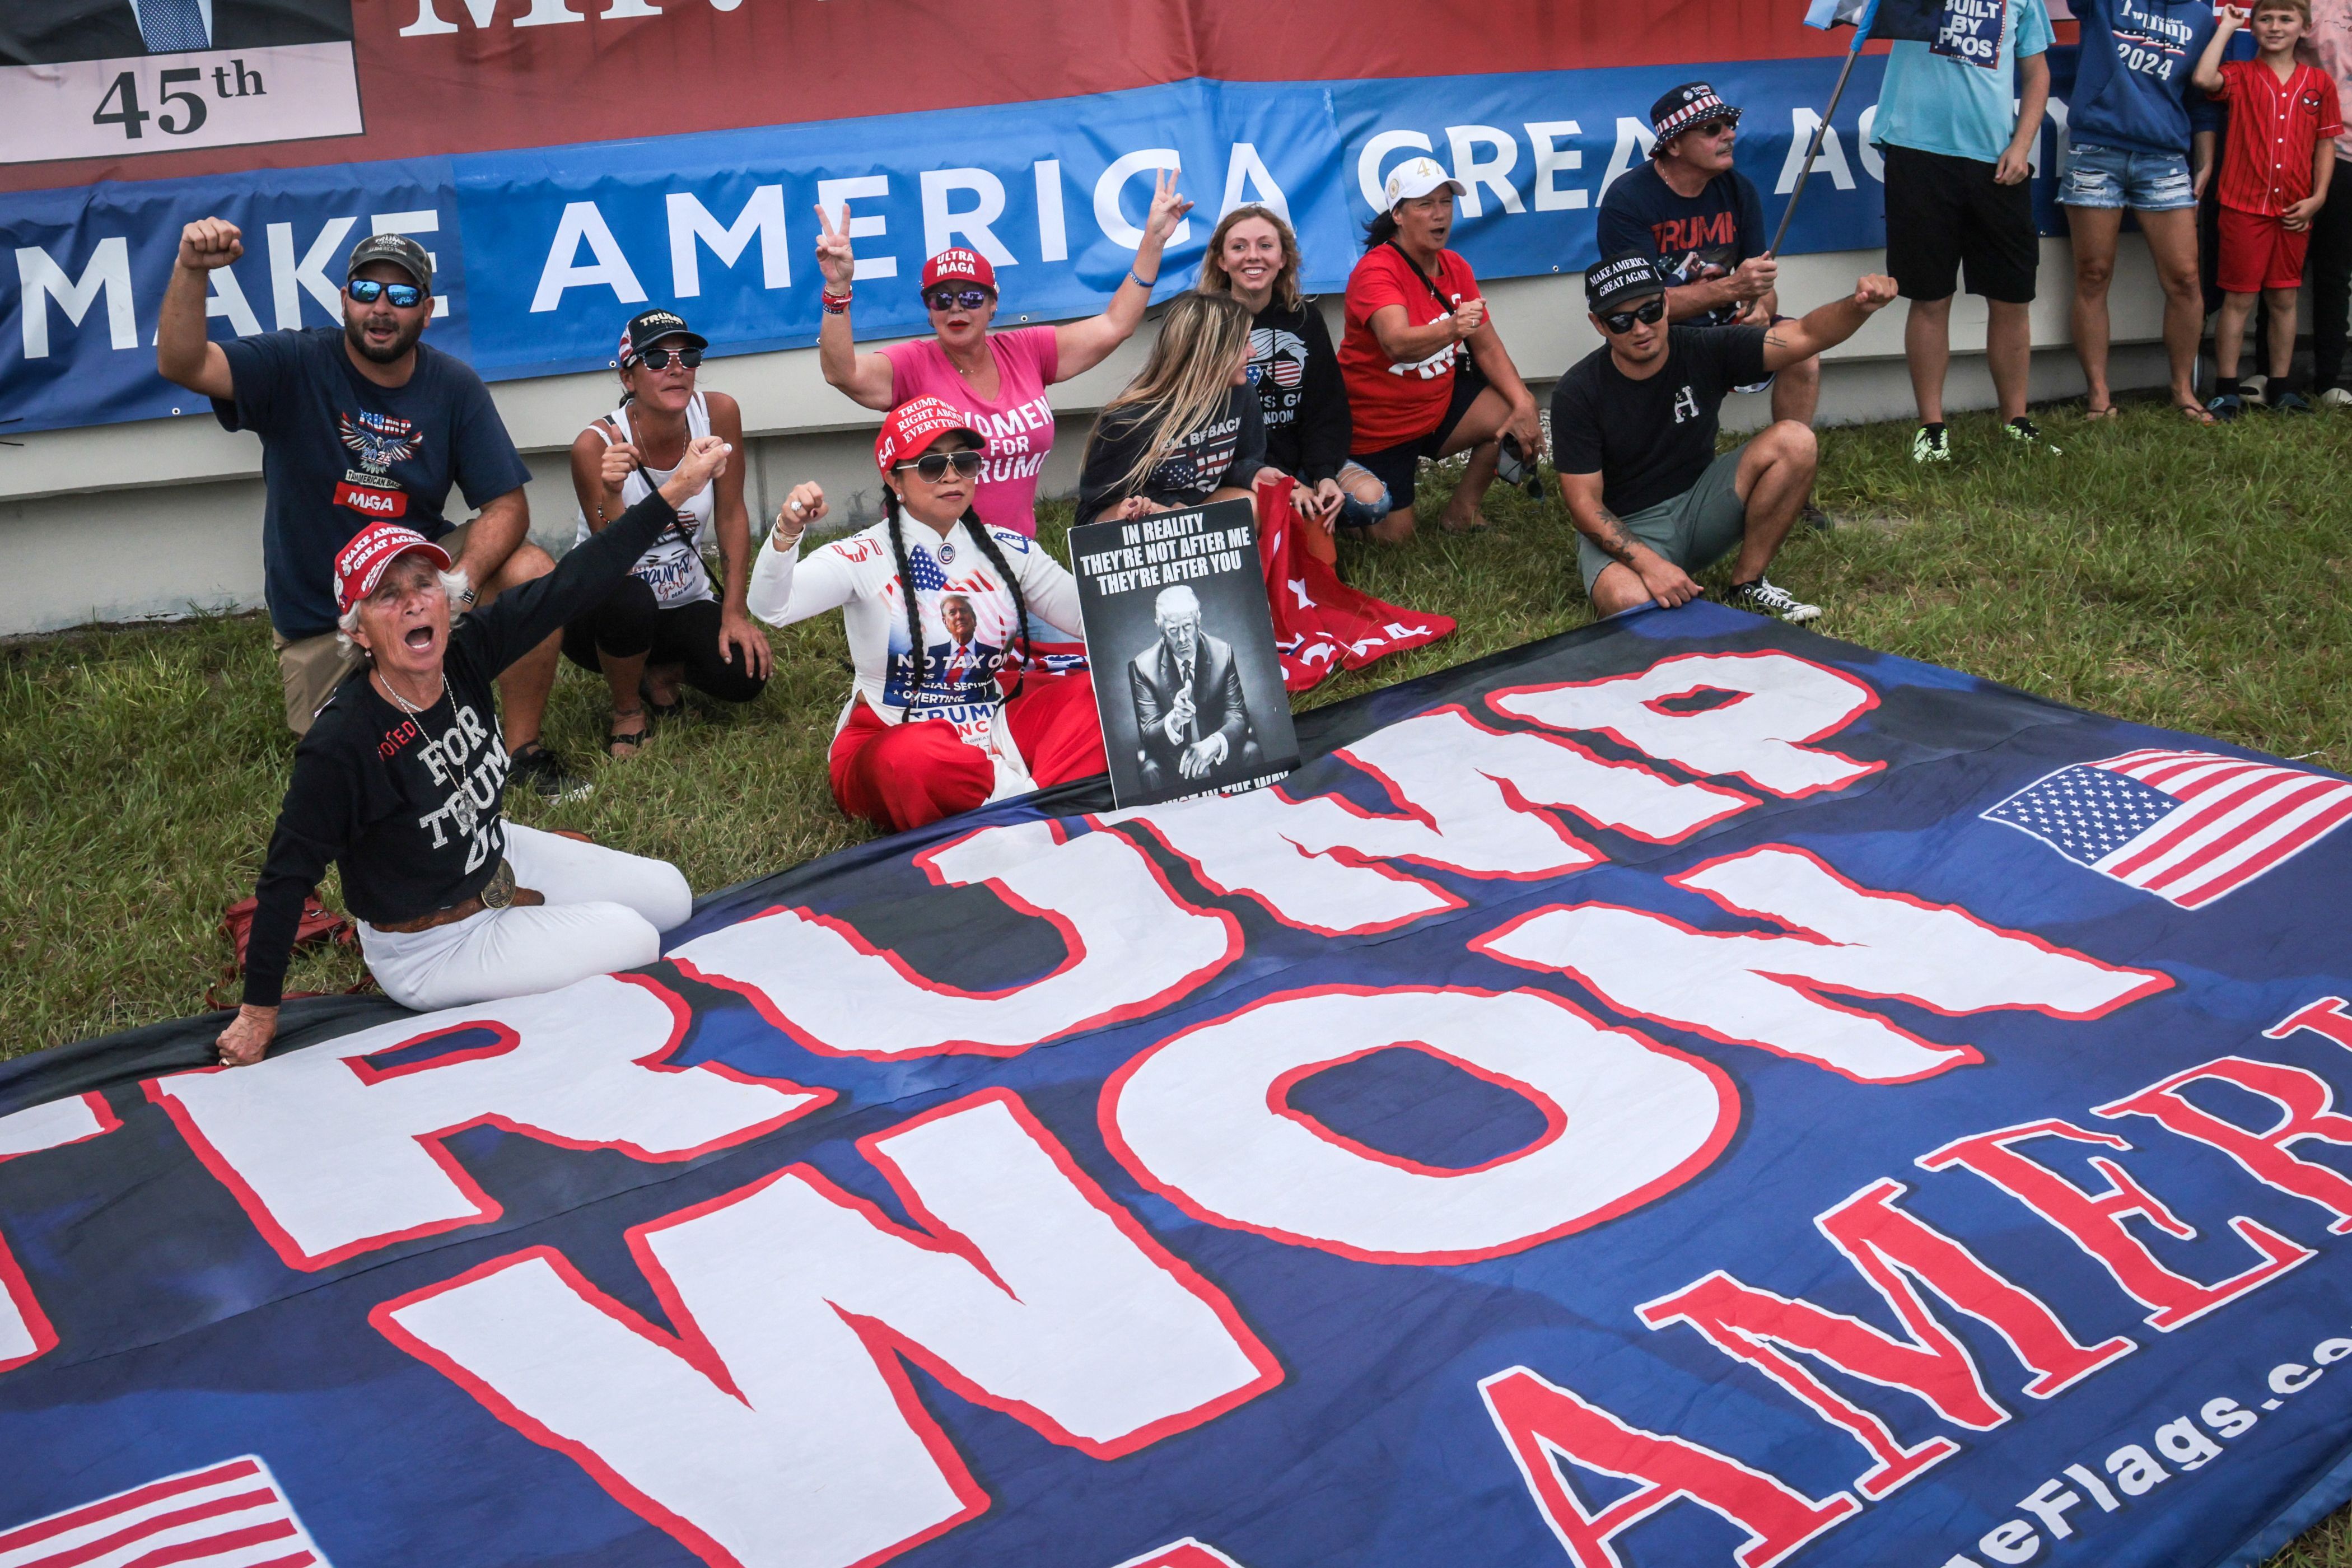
x,y
161,103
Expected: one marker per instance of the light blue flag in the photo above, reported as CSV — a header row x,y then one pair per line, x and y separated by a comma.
x,y
1827,13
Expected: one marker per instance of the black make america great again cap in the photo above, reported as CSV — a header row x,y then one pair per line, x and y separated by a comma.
x,y
1612,283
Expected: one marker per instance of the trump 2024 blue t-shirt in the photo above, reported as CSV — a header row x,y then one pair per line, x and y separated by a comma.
x,y
2131,82
339,452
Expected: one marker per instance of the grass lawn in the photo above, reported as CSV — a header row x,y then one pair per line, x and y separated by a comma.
x,y
2199,580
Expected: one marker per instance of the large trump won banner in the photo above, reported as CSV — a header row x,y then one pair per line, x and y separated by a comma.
x,y
1688,1093
567,162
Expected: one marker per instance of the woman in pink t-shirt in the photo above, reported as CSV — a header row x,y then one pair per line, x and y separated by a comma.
x,y
997,380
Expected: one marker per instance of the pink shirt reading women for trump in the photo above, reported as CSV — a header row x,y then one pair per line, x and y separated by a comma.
x,y
1018,422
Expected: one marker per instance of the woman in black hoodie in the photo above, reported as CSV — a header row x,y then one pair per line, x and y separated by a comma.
x,y
1253,257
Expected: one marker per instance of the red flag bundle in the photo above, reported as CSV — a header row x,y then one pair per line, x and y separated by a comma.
x,y
1320,623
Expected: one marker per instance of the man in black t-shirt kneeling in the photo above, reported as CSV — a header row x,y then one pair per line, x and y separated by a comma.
x,y
1634,427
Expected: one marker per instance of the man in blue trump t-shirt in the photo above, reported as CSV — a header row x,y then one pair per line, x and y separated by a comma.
x,y
1958,117
2130,148
1703,221
360,424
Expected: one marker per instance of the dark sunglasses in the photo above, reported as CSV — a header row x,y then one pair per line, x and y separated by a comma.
x,y
934,466
954,298
1716,128
368,291
659,359
1650,313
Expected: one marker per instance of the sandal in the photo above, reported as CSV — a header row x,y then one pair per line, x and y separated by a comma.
x,y
2195,414
2091,415
615,737
660,709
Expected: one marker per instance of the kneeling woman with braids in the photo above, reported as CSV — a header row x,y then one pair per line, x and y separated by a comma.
x,y
934,602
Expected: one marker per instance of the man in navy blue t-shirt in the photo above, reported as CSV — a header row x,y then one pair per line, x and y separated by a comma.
x,y
359,425
1701,220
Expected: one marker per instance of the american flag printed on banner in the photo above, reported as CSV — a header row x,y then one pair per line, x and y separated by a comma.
x,y
229,1515
2188,826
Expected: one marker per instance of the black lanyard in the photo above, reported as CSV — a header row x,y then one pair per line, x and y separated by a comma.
x,y
1444,306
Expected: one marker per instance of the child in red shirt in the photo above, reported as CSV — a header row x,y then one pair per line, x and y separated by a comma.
x,y
2284,118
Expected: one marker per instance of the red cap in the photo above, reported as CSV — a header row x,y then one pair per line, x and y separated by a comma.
x,y
958,266
361,565
913,427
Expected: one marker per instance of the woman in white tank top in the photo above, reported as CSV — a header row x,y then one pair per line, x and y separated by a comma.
x,y
665,625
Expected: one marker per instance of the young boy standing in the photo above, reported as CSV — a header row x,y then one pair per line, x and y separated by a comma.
x,y
2284,118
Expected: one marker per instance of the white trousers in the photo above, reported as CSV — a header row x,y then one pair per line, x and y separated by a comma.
x,y
605,911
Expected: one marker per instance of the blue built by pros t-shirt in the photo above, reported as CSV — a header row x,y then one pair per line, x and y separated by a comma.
x,y
339,452
2131,81
1958,95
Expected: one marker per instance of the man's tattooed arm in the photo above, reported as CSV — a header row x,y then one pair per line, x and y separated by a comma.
x,y
1612,537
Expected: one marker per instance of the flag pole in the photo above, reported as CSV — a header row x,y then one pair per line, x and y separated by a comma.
x,y
1861,36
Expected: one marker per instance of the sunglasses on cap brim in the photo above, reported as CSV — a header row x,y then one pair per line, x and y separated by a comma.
x,y
1649,313
368,291
934,466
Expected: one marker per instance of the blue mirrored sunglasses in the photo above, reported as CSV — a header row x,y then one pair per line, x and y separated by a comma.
x,y
367,290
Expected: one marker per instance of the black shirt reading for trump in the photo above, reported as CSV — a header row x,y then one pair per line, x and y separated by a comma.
x,y
409,805
1650,440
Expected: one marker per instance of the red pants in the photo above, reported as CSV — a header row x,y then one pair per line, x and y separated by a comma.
x,y
899,776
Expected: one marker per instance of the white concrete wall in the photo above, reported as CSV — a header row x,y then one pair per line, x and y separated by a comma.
x,y
163,517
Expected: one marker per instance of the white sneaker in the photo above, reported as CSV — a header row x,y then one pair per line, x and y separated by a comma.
x,y
2336,397
1764,597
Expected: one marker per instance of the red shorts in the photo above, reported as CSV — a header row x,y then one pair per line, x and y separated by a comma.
x,y
2259,252
899,776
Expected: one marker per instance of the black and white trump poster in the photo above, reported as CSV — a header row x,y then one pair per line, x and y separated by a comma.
x,y
1181,643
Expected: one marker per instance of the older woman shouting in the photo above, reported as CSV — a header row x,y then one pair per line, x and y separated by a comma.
x,y
401,776
995,380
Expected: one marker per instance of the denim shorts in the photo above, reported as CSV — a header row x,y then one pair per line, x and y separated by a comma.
x,y
2111,177
1354,513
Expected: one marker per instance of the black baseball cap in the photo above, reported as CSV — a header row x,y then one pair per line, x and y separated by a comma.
x,y
647,328
397,249
1693,103
1612,285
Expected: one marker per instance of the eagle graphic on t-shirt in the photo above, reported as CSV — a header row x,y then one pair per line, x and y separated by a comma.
x,y
380,439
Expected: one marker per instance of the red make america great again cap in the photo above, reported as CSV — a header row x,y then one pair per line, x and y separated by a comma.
x,y
915,425
361,564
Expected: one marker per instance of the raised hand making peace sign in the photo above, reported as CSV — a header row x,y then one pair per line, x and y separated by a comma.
x,y
833,254
997,378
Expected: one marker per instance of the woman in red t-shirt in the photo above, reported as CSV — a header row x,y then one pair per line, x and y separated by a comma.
x,y
1413,389
996,380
